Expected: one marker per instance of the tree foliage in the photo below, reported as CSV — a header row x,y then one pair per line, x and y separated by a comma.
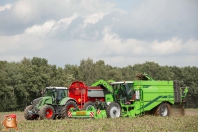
x,y
20,82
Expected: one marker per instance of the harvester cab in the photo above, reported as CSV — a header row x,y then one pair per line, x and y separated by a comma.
x,y
123,91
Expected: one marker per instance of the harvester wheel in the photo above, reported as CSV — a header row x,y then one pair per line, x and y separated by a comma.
x,y
163,109
88,105
27,115
47,112
113,110
65,109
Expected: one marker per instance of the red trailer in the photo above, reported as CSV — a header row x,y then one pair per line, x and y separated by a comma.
x,y
83,93
83,97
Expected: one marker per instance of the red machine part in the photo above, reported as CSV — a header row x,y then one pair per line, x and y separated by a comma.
x,y
82,93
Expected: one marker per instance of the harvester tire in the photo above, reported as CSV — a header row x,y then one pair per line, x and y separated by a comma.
x,y
65,109
47,112
113,110
87,105
163,109
27,115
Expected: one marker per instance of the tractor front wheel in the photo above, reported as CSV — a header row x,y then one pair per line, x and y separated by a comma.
x,y
65,109
163,109
47,112
29,116
113,110
88,105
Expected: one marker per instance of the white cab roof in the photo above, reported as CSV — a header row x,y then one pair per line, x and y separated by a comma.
x,y
56,87
122,82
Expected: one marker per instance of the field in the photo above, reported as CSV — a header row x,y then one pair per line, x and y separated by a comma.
x,y
187,123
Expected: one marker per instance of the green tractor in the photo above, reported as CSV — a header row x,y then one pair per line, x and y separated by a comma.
x,y
54,104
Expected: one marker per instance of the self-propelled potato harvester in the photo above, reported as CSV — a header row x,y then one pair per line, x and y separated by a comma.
x,y
58,100
136,98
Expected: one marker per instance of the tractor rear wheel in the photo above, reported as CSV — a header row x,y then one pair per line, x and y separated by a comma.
x,y
88,105
163,109
47,112
27,114
65,109
113,110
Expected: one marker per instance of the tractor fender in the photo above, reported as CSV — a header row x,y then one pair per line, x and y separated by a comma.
x,y
65,100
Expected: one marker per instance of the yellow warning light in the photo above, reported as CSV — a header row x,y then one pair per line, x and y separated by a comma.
x,y
79,100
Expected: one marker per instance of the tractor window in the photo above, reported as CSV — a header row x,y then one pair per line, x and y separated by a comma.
x,y
60,94
48,92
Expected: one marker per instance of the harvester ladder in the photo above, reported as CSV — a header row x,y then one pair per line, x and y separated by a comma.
x,y
142,112
82,96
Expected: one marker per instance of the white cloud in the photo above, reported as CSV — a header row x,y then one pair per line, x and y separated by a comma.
x,y
23,8
94,18
8,43
166,47
6,7
45,28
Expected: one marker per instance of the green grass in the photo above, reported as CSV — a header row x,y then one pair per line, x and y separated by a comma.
x,y
188,123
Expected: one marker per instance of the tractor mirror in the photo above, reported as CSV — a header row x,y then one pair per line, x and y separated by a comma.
x,y
42,93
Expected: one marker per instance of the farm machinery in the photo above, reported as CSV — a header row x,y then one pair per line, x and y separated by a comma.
x,y
136,98
57,101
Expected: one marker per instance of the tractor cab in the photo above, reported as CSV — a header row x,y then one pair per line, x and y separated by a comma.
x,y
123,91
58,93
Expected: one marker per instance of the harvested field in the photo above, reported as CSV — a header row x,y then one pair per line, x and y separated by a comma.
x,y
189,122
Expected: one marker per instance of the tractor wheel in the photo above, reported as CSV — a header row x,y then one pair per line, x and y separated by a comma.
x,y
47,112
68,105
27,115
163,109
88,105
113,110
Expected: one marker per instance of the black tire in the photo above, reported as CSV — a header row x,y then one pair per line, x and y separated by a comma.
x,y
65,109
113,110
27,115
87,105
47,112
163,109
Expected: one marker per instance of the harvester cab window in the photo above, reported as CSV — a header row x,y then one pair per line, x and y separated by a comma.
x,y
118,91
129,91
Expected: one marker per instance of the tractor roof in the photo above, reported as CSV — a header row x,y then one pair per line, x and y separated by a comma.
x,y
56,88
122,82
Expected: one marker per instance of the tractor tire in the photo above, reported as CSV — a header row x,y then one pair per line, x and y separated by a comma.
x,y
26,114
65,109
47,112
163,110
113,110
88,105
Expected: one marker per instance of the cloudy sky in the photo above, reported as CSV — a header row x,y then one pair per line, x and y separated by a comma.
x,y
119,32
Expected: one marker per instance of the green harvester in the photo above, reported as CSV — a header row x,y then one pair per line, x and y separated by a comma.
x,y
137,98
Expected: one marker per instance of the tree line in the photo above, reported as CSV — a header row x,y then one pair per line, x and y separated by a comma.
x,y
20,82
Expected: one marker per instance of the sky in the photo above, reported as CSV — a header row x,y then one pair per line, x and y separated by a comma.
x,y
120,33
